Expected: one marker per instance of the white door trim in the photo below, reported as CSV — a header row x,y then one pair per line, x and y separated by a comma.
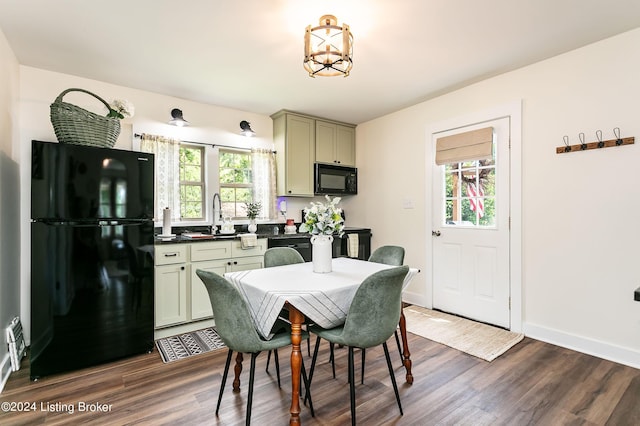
x,y
513,110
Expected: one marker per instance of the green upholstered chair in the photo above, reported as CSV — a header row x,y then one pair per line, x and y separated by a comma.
x,y
389,255
372,318
277,256
236,329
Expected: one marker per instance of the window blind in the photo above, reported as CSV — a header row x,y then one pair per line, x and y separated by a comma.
x,y
467,146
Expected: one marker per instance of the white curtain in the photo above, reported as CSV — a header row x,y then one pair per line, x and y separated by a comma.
x,y
264,180
167,169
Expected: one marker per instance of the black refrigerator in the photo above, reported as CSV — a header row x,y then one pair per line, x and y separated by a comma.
x,y
91,256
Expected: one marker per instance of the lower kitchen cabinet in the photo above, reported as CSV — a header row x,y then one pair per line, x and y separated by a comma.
x,y
181,297
170,294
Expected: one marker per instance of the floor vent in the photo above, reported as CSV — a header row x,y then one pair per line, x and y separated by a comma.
x,y
15,339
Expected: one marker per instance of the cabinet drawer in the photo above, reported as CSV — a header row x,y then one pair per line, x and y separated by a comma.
x,y
238,251
210,251
170,253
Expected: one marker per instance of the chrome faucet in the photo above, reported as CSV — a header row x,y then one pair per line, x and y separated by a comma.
x,y
216,219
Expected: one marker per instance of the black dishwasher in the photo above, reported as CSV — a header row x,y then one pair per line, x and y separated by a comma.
x,y
299,242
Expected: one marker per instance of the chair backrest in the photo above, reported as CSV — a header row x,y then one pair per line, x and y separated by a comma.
x,y
375,310
277,256
231,313
389,255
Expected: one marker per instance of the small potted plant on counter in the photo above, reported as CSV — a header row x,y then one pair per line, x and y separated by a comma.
x,y
253,210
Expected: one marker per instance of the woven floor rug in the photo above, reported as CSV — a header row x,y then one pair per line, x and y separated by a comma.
x,y
189,344
475,338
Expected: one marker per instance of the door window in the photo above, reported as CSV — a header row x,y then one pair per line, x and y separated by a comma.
x,y
470,194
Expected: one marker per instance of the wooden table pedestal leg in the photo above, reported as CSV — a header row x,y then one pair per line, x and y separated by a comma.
x,y
406,355
296,318
237,369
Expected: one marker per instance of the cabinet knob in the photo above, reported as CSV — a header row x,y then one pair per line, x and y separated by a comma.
x,y
182,268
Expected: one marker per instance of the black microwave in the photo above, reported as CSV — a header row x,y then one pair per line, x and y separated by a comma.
x,y
335,180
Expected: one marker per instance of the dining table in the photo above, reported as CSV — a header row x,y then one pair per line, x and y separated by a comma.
x,y
320,298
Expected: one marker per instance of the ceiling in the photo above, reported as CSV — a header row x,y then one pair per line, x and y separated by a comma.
x,y
247,55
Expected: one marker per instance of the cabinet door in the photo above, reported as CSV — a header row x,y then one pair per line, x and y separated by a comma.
x,y
325,142
170,254
346,145
246,263
170,294
300,152
200,302
210,250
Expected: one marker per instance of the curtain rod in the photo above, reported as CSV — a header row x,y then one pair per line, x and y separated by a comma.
x,y
138,135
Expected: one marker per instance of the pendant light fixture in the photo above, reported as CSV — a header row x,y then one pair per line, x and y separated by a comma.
x,y
328,48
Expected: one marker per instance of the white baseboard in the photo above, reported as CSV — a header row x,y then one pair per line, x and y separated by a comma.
x,y
415,299
619,354
5,370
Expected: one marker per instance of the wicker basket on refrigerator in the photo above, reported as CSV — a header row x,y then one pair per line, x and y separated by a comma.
x,y
76,125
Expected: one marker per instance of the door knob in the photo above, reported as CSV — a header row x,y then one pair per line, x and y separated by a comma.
x,y
435,233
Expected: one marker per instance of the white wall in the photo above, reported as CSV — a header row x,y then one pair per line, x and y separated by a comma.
x,y
580,235
9,198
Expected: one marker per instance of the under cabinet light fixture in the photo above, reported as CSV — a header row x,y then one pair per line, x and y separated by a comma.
x,y
246,128
177,119
328,48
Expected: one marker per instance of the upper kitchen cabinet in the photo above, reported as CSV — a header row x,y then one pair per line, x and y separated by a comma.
x,y
302,140
294,137
335,143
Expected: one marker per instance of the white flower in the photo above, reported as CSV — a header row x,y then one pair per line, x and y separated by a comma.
x,y
121,108
323,218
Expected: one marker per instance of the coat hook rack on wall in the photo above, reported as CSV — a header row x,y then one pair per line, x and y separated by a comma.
x,y
583,146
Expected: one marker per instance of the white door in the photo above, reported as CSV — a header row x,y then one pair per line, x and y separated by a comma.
x,y
470,232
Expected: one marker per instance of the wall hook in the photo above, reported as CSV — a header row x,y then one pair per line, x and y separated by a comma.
x,y
599,136
616,133
583,144
567,147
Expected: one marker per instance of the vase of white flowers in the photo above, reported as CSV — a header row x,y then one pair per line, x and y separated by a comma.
x,y
253,209
322,221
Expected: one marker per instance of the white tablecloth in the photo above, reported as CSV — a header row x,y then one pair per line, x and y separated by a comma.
x,y
323,298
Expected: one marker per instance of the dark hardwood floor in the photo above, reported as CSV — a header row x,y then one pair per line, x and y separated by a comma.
x,y
534,383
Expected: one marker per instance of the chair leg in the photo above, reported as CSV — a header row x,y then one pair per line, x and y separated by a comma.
x,y
352,387
393,376
224,379
332,359
399,347
362,367
252,373
307,386
268,359
313,365
277,362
